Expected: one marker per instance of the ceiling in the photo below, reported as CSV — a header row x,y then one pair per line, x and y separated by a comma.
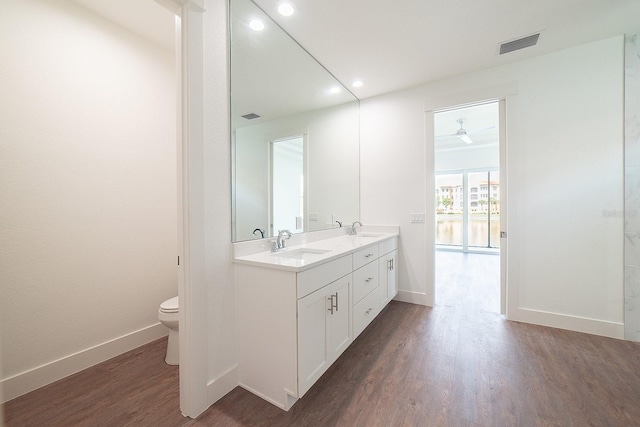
x,y
391,45
144,17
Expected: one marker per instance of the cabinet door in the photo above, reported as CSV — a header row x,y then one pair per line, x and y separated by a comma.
x,y
324,330
313,351
339,322
392,282
388,277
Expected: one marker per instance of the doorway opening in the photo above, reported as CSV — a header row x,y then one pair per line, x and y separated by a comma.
x,y
467,158
287,185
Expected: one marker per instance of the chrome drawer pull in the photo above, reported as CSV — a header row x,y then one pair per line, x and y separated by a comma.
x,y
369,279
332,305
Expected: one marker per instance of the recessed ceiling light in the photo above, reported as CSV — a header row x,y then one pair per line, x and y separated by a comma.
x,y
357,83
335,89
286,9
256,25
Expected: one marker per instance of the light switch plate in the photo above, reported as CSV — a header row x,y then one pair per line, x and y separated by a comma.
x,y
417,218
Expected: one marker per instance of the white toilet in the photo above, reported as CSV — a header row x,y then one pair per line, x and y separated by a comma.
x,y
168,316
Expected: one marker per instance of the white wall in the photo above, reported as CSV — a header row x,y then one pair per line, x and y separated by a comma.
x,y
88,184
564,169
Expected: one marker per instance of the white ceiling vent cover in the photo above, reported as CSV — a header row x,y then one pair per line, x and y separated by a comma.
x,y
518,44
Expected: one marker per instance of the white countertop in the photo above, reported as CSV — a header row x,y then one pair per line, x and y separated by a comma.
x,y
314,253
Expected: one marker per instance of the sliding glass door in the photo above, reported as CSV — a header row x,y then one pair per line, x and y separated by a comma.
x,y
468,210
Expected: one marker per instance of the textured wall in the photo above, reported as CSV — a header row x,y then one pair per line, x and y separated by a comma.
x,y
632,188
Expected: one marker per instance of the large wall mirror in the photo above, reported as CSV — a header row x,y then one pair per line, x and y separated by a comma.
x,y
294,134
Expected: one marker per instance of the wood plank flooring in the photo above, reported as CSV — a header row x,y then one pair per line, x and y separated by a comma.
x,y
457,364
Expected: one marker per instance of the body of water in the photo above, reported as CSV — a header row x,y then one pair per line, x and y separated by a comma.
x,y
449,230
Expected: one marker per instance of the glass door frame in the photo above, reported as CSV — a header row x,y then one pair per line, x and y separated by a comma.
x,y
465,213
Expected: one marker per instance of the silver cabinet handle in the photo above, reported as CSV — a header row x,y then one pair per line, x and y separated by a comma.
x,y
368,311
369,279
330,304
368,255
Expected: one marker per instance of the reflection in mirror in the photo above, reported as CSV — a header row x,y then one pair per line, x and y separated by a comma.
x,y
287,184
294,134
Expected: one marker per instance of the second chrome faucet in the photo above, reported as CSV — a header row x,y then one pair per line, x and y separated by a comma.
x,y
279,243
352,229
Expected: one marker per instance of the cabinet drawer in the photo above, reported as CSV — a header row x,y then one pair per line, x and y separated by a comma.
x,y
365,311
365,256
365,279
317,277
387,246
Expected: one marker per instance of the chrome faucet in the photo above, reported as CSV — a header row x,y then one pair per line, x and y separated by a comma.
x,y
352,230
280,243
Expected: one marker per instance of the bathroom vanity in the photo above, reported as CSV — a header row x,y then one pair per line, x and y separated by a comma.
x,y
300,308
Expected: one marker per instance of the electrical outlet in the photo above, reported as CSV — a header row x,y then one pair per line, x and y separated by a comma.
x,y
313,217
417,218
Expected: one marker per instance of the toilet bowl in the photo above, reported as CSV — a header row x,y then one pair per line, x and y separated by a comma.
x,y
168,316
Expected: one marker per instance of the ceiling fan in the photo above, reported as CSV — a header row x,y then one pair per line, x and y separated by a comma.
x,y
463,134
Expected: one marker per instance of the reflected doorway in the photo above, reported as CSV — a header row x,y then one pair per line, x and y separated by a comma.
x,y
467,156
287,185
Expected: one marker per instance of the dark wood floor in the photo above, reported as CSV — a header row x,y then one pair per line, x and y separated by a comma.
x,y
457,364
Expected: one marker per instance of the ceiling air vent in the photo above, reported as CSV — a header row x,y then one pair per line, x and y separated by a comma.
x,y
251,116
519,44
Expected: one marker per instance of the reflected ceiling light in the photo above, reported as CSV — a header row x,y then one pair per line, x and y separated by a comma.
x,y
256,25
286,9
335,90
357,83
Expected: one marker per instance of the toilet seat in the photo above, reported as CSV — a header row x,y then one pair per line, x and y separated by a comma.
x,y
170,305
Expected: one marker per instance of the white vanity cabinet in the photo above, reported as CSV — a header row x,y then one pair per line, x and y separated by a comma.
x,y
387,270
294,322
291,327
366,298
374,282
324,330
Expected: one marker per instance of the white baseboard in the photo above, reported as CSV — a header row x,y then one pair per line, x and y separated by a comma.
x,y
412,297
222,384
264,397
30,380
572,323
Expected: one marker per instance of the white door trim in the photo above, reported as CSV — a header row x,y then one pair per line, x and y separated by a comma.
x,y
508,290
190,189
504,203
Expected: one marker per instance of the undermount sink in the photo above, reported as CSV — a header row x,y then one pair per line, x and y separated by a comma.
x,y
302,253
369,234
